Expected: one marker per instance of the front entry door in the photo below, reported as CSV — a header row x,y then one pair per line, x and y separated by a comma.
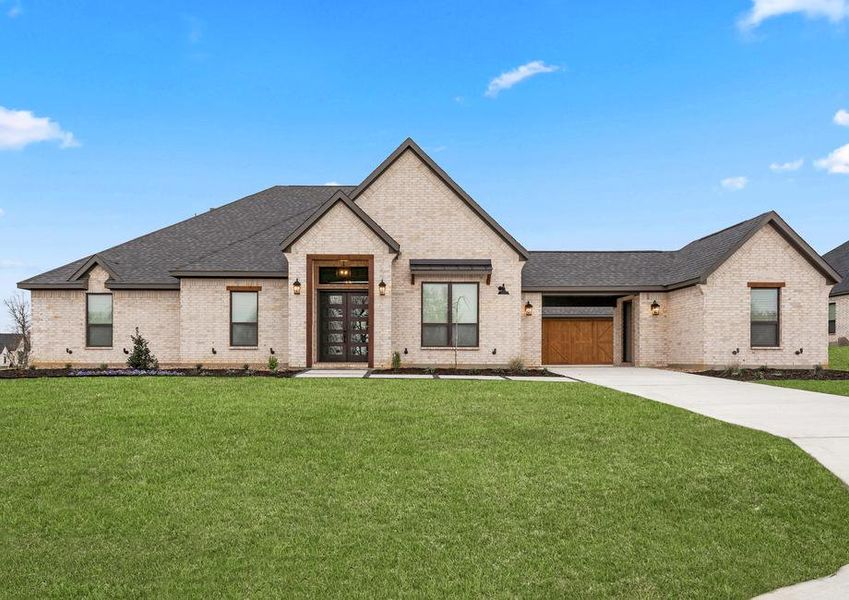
x,y
343,326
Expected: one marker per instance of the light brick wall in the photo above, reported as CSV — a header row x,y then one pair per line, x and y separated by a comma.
x,y
205,323
532,331
340,231
842,303
685,313
766,257
59,318
651,333
429,221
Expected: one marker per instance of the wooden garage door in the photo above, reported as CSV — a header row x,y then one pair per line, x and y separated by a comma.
x,y
577,341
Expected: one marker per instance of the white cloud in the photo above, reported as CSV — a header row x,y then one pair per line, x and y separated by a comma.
x,y
19,128
833,10
6,263
793,165
837,162
196,28
841,117
734,184
15,10
2,213
335,183
510,78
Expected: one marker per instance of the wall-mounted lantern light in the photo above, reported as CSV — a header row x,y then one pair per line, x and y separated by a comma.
x,y
213,350
502,290
529,309
296,287
655,308
69,351
381,287
271,351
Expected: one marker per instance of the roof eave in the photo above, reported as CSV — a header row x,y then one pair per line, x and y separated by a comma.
x,y
219,274
64,285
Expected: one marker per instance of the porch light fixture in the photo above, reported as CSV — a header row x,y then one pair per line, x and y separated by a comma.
x,y
502,290
655,308
296,287
529,309
381,287
343,271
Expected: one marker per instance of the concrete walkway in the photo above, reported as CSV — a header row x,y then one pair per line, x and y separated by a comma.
x,y
361,373
817,423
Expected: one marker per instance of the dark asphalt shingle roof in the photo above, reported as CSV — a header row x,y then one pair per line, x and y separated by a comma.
x,y
242,235
839,259
650,270
10,341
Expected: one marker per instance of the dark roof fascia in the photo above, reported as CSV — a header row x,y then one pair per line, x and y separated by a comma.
x,y
838,294
409,144
684,284
787,232
95,259
594,291
64,285
239,274
117,285
342,197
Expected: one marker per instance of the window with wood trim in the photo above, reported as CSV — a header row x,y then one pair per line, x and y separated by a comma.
x,y
244,318
450,315
98,321
832,318
765,317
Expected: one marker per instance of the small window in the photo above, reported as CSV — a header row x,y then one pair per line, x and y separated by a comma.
x,y
765,317
450,315
832,318
98,321
244,311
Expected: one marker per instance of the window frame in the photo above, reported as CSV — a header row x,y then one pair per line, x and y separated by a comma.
x,y
832,323
777,322
88,325
450,322
254,323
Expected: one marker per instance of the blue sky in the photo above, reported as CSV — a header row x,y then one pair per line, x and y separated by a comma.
x,y
630,117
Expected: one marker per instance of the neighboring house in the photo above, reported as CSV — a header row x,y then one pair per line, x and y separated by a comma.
x,y
11,344
838,301
408,262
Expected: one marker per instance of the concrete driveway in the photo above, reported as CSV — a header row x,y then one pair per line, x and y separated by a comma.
x,y
818,423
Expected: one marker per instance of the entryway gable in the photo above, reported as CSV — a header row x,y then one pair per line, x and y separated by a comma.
x,y
416,201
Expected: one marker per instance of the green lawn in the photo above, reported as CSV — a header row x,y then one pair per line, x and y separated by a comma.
x,y
838,358
199,487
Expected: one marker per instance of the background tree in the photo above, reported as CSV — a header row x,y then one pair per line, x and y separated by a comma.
x,y
19,311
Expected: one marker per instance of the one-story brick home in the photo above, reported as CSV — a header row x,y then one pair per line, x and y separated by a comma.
x,y
838,301
408,262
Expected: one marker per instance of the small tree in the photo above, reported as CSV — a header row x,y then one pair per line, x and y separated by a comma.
x,y
18,309
141,356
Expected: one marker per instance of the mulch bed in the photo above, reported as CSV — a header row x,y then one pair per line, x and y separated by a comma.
x,y
493,372
778,374
36,373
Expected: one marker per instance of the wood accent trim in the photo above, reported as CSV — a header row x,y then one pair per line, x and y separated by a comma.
x,y
488,278
312,262
766,284
244,288
371,316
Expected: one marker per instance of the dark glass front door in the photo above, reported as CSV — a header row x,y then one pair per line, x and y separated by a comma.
x,y
343,326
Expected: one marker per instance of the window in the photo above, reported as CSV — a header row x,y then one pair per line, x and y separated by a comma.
x,y
832,318
98,321
337,275
450,315
244,310
765,317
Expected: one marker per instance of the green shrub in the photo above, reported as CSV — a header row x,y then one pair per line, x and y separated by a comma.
x,y
103,366
396,361
246,367
273,363
141,356
516,364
